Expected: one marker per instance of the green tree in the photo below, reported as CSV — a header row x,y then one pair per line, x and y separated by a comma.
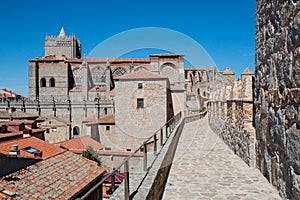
x,y
91,154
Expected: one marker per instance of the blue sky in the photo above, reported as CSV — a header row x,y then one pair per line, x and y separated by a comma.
x,y
225,29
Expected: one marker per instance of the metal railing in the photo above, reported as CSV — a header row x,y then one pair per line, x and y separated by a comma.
x,y
160,135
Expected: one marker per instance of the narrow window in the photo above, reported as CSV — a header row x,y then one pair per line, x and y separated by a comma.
x,y
140,103
105,111
107,128
43,82
76,130
140,85
52,82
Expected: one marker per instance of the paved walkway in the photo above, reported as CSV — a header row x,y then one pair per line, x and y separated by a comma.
x,y
205,168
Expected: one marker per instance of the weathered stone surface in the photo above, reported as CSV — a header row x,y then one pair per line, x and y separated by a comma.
x,y
230,111
276,93
207,169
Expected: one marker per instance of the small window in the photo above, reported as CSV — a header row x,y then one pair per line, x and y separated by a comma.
x,y
76,130
140,103
52,82
107,128
43,82
3,129
140,85
105,111
48,130
21,127
30,149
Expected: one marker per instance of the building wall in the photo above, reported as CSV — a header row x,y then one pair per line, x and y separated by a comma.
x,y
134,125
277,94
67,46
56,133
230,112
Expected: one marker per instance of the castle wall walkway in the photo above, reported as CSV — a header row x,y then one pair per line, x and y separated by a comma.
x,y
204,167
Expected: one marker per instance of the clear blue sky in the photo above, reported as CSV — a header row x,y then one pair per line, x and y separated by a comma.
x,y
224,28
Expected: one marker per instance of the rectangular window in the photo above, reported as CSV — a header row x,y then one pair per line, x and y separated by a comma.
x,y
140,103
107,128
140,85
48,130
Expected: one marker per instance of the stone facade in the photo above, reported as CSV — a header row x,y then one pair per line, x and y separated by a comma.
x,y
143,105
62,45
230,111
277,92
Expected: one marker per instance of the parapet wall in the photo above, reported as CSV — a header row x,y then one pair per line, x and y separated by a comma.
x,y
230,112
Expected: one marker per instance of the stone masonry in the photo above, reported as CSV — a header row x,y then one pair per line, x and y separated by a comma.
x,y
277,94
230,112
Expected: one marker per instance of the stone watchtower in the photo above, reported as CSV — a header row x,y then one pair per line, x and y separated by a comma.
x,y
51,76
62,45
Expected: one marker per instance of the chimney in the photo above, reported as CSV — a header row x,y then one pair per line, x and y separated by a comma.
x,y
38,154
14,150
27,133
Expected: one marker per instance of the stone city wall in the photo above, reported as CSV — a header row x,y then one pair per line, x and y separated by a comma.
x,y
277,94
230,112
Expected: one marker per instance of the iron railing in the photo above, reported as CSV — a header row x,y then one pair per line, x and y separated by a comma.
x,y
160,135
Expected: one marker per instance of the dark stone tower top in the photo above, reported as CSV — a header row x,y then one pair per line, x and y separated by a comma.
x,y
62,45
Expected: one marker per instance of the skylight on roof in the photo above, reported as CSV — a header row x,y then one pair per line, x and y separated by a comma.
x,y
30,149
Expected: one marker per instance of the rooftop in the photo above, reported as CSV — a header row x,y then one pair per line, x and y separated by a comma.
x,y
109,119
78,145
47,149
141,75
60,177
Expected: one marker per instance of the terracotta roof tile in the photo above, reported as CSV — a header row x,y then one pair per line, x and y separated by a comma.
x,y
47,149
166,55
78,145
176,88
98,89
111,60
109,119
141,75
59,177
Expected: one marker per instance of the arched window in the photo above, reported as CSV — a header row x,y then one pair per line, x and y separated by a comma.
x,y
52,82
43,82
76,130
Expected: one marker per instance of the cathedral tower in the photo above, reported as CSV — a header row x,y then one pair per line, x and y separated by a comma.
x,y
62,45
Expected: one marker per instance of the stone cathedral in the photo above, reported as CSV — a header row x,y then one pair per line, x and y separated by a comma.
x,y
109,97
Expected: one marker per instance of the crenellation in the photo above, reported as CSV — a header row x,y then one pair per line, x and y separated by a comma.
x,y
230,111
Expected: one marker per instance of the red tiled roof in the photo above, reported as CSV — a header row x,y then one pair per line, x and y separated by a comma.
x,y
141,75
77,88
98,89
8,93
47,149
176,88
59,177
111,60
166,55
109,119
78,145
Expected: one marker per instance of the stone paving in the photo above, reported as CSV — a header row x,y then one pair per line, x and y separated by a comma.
x,y
205,168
